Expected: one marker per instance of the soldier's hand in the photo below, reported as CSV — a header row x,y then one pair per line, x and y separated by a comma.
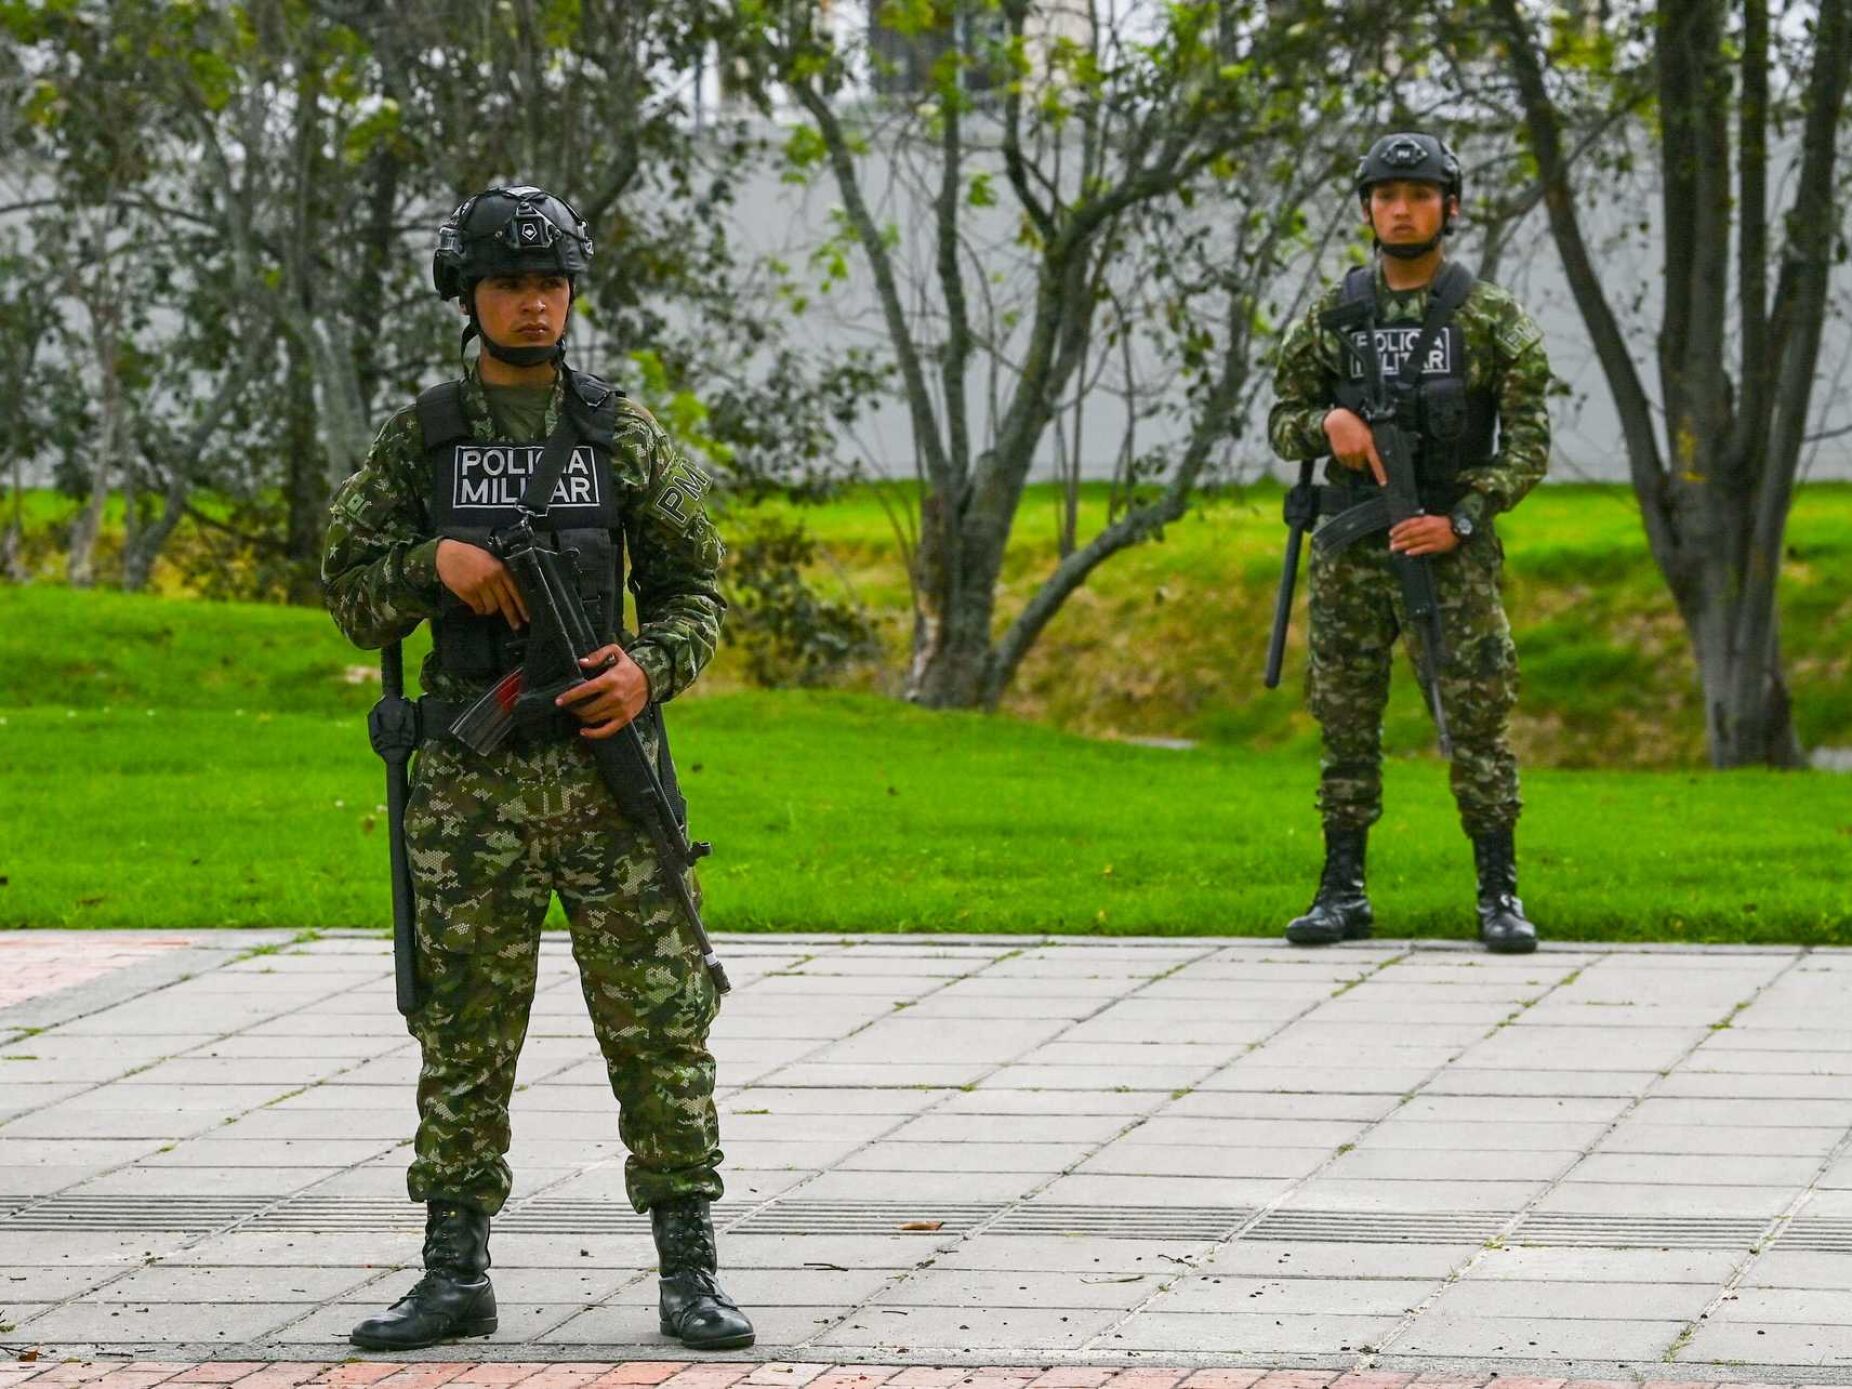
x,y
1424,535
1352,444
610,699
480,580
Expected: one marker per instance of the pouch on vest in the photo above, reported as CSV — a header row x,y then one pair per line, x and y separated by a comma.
x,y
1443,409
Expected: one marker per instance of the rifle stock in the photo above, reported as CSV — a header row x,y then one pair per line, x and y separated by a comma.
x,y
392,728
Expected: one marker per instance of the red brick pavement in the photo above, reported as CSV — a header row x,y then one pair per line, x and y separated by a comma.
x,y
680,1374
43,962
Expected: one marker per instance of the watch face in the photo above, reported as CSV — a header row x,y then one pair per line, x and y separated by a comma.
x,y
1463,526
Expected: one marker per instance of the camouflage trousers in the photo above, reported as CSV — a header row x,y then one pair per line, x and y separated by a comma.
x,y
1356,614
491,839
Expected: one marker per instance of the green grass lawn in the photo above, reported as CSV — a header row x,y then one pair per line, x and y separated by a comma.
x,y
167,763
1169,638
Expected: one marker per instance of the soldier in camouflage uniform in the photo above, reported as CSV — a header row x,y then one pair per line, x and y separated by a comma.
x,y
1483,440
491,838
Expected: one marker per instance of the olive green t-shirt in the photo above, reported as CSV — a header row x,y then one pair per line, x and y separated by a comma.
x,y
520,412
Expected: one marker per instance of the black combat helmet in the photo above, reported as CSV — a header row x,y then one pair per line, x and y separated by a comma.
x,y
509,231
1417,158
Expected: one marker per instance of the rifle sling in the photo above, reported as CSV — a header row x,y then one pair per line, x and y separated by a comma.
x,y
537,496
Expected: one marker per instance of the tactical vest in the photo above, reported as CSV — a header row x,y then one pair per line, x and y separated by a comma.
x,y
475,489
1456,427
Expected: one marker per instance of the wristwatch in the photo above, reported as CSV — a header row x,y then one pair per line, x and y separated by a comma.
x,y
1462,525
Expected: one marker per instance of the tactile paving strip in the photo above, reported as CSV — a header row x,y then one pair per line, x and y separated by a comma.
x,y
1599,1230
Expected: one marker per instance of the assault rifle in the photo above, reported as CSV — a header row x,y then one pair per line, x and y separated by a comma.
x,y
556,619
1398,501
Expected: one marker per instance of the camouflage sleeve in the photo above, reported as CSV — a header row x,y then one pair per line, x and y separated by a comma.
x,y
675,556
1523,386
379,564
1303,380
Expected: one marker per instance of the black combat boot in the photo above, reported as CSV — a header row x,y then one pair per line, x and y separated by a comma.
x,y
1340,911
694,1309
1502,923
452,1299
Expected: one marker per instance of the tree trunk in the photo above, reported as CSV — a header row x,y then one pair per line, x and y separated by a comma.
x,y
1749,724
13,541
1715,505
80,567
305,487
951,630
144,547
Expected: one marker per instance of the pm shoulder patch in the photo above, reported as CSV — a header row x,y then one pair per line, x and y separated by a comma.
x,y
676,498
1519,335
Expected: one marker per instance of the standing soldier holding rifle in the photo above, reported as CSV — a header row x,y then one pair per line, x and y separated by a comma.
x,y
541,764
1426,390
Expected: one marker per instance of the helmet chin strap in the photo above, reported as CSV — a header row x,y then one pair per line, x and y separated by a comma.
x,y
1403,252
1419,249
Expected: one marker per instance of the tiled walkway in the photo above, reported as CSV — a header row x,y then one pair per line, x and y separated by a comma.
x,y
972,1151
676,1374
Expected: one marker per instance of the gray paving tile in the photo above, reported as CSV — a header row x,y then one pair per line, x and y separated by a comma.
x,y
44,1284
1409,1135
1696,1169
89,1323
1452,1164
841,1251
1071,1254
67,1122
215,1152
635,1325
1748,1141
866,1100
1351,1260
1158,1079
969,1328
1117,1103
1501,1085
1761,1306
1689,1084
1253,1104
1518,1299
1372,1194
266,1283
1129,1156
924,1186
1712,1267
1297,1296
1534,1338
1373,1080
72,1154
1652,1198
1248,1334
327,1327
944,1128
1510,1109
1119,1189
1735,1343
971,1156
968,1287
185,1181
1799,1268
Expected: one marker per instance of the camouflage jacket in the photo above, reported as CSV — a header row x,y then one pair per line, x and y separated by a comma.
x,y
1504,353
379,565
